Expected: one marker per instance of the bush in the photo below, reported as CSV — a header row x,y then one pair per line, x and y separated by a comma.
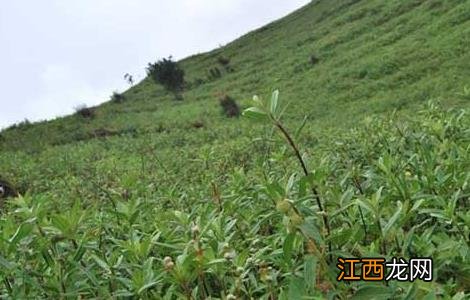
x,y
229,106
167,73
117,97
225,62
214,73
197,124
102,132
198,82
84,111
313,60
23,125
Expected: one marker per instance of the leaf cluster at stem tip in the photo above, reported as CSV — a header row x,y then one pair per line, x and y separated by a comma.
x,y
263,110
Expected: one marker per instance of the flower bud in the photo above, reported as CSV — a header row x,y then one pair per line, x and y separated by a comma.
x,y
296,219
229,255
239,270
283,206
168,263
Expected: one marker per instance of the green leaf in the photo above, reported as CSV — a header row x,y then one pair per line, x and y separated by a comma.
x,y
309,229
255,113
299,130
393,219
372,292
47,257
341,236
310,271
459,296
5,264
274,102
411,293
430,296
288,246
79,253
101,263
23,231
147,286
290,183
216,261
417,204
296,288
365,205
257,100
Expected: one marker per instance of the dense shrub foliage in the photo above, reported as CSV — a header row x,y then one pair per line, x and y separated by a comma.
x,y
84,111
167,73
155,199
214,73
225,63
409,179
23,125
117,97
229,106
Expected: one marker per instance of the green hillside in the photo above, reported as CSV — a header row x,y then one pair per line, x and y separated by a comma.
x,y
385,86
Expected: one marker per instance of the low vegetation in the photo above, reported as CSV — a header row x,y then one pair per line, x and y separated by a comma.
x,y
117,97
364,154
389,189
167,73
214,73
85,112
229,106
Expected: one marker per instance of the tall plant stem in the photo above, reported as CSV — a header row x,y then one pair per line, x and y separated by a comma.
x,y
359,188
307,173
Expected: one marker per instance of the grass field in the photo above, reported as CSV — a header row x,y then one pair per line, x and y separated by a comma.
x,y
158,198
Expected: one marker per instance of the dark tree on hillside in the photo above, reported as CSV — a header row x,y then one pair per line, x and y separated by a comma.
x,y
167,73
129,78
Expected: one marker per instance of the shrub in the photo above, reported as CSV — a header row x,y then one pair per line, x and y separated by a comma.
x,y
198,81
214,73
117,97
229,106
224,61
23,125
102,132
130,130
84,111
465,94
197,124
313,60
167,73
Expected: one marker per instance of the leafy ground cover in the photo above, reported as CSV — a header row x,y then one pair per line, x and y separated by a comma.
x,y
234,236
156,198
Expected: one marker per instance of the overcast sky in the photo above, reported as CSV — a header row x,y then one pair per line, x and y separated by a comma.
x,y
58,54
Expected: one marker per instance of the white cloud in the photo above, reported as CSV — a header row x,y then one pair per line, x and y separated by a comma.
x,y
73,90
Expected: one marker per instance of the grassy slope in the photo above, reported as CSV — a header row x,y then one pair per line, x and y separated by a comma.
x,y
374,56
